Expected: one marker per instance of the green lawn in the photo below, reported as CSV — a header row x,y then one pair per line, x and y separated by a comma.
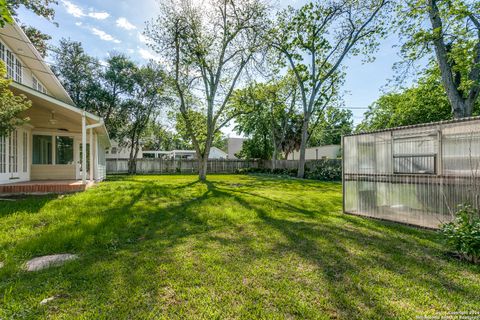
x,y
236,247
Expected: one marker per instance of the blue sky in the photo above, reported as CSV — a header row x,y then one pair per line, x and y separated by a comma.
x,y
104,26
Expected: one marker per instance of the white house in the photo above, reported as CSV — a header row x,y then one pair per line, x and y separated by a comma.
x,y
50,146
235,145
317,153
116,151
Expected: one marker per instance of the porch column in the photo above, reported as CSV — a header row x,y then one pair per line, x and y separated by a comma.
x,y
91,155
84,149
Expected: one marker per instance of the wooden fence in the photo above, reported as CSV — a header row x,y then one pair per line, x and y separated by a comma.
x,y
161,166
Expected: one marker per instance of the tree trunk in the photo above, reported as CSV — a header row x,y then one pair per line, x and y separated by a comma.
x,y
303,145
274,158
460,108
202,168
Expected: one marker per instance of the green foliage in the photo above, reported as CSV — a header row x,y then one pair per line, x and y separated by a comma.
x,y
38,39
76,70
198,128
41,8
449,33
99,89
331,124
424,102
5,15
325,170
463,234
257,147
11,105
322,170
270,118
157,137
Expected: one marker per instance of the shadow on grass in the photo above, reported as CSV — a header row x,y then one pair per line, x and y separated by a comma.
x,y
132,226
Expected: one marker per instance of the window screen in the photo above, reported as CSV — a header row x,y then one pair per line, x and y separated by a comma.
x,y
42,149
415,154
64,148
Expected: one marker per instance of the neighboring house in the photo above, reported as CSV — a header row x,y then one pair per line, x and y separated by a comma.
x,y
49,146
215,153
317,153
235,145
121,152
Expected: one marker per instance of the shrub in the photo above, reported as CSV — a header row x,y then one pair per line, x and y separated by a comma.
x,y
463,234
325,170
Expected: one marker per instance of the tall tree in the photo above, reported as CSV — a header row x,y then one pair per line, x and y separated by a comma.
x,y
198,123
141,107
158,137
75,69
330,126
38,39
451,29
316,39
425,101
207,46
11,105
272,115
8,9
119,79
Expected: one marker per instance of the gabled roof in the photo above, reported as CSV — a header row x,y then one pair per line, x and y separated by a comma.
x,y
18,42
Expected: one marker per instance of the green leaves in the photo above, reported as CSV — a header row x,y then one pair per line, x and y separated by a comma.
x,y
5,16
463,234
11,106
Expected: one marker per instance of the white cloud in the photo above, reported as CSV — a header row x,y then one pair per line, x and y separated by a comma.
x,y
78,11
125,24
73,9
147,55
78,23
142,38
103,35
99,15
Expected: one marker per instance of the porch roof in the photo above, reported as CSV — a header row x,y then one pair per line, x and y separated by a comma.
x,y
68,117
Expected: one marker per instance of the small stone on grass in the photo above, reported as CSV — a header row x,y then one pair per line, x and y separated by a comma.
x,y
47,300
44,262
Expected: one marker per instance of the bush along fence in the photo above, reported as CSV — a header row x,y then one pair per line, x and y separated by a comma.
x,y
327,170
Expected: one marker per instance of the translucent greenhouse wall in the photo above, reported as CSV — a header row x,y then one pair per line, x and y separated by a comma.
x,y
417,175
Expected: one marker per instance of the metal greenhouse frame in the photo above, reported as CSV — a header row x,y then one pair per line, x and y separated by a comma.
x,y
417,174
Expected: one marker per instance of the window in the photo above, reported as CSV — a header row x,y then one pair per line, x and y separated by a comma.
x,y
18,71
25,152
13,148
64,148
14,66
3,154
415,154
2,51
114,150
10,64
42,149
37,85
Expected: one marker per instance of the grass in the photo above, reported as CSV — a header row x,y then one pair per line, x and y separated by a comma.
x,y
236,247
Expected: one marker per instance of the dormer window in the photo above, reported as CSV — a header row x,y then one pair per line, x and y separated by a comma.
x,y
14,66
37,85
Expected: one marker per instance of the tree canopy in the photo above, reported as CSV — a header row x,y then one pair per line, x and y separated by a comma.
x,y
425,101
207,46
449,31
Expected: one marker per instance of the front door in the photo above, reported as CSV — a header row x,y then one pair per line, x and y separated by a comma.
x,y
79,151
